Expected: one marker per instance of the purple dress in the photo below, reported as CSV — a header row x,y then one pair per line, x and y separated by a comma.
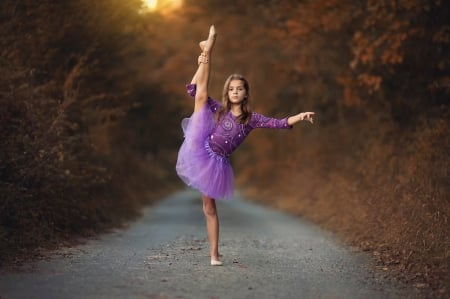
x,y
203,159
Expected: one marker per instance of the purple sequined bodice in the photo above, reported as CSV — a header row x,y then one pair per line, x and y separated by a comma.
x,y
228,133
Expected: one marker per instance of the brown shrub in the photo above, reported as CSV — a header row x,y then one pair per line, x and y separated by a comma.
x,y
375,165
70,84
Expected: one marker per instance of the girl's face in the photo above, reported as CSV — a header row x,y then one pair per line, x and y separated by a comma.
x,y
236,91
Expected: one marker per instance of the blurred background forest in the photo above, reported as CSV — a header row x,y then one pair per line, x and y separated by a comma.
x,y
92,95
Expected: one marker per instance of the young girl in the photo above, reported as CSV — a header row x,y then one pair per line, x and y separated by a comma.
x,y
213,132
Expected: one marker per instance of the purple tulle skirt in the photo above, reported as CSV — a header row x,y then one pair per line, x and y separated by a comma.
x,y
197,165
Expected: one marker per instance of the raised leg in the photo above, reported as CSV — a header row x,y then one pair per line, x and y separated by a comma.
x,y
212,227
201,77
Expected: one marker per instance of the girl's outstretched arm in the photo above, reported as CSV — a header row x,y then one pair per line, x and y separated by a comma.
x,y
201,77
308,116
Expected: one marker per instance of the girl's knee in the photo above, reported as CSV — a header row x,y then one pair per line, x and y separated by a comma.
x,y
209,207
209,210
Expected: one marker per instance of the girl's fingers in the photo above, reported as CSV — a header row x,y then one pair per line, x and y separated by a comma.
x,y
308,116
202,58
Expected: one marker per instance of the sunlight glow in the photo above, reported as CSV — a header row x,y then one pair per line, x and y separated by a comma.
x,y
151,4
162,6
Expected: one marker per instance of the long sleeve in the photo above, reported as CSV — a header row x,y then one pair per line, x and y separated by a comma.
x,y
261,121
214,105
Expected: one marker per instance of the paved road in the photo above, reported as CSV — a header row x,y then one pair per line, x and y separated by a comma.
x,y
164,255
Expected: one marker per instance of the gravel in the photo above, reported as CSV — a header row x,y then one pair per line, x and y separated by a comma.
x,y
164,254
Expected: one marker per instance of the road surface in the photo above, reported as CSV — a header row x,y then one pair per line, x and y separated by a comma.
x,y
164,254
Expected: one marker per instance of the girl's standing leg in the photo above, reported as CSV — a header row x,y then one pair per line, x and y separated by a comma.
x,y
212,226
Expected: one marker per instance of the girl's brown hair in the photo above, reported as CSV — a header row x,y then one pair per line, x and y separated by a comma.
x,y
245,116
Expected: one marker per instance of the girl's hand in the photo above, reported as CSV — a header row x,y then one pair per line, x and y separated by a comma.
x,y
308,116
202,58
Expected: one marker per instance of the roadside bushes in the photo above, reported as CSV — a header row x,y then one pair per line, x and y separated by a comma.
x,y
70,82
375,166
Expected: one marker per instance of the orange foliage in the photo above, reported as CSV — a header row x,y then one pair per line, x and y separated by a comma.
x,y
70,83
378,45
377,75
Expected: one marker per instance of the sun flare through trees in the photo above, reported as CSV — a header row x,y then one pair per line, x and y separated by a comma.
x,y
162,6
